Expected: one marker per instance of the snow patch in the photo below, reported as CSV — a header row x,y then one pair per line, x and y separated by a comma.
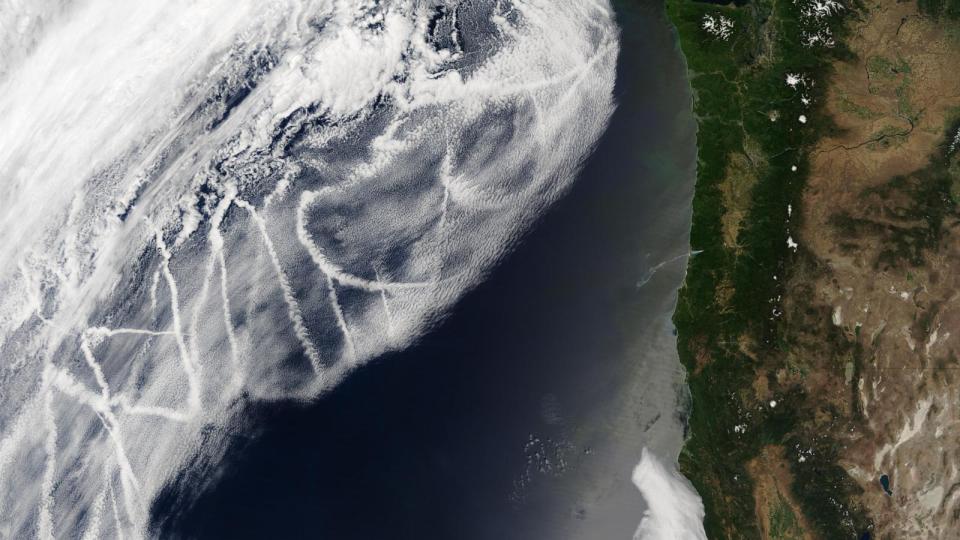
x,y
717,26
955,142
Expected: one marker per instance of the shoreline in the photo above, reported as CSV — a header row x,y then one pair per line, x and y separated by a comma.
x,y
542,358
754,135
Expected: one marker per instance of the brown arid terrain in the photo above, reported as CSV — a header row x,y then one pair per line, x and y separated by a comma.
x,y
881,276
778,513
820,321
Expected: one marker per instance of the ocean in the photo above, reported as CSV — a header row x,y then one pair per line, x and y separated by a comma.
x,y
522,413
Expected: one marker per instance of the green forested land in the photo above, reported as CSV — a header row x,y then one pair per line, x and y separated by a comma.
x,y
940,8
731,293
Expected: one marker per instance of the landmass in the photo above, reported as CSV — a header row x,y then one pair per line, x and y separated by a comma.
x,y
819,320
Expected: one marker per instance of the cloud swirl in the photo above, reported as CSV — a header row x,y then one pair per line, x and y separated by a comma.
x,y
210,202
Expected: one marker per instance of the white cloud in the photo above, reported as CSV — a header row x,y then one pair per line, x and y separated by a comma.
x,y
673,509
165,250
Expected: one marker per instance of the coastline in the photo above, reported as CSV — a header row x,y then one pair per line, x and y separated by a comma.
x,y
644,426
566,351
755,132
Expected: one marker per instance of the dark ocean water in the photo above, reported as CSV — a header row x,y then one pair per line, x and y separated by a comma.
x,y
522,414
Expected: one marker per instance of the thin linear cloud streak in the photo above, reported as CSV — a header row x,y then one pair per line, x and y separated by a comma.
x,y
205,203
